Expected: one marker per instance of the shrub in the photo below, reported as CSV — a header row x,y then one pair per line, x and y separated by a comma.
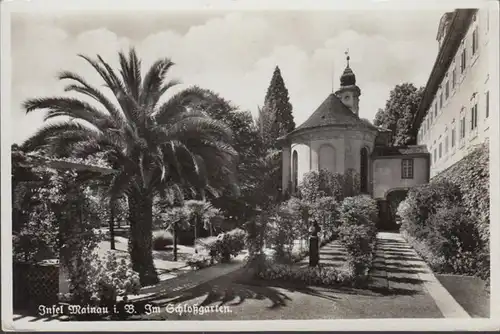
x,y
198,261
352,183
102,281
456,239
322,184
452,232
423,201
359,242
283,227
442,231
116,278
359,210
326,212
471,176
358,232
435,261
162,239
225,245
38,238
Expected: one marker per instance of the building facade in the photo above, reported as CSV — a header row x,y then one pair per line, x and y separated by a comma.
x,y
455,113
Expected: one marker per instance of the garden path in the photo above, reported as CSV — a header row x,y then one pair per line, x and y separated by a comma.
x,y
402,286
333,254
398,269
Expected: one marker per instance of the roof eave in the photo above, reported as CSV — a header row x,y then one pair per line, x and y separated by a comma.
x,y
453,38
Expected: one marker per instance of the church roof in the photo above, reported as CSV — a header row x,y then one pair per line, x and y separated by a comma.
x,y
331,112
385,151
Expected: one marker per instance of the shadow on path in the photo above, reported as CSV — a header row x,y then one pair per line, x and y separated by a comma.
x,y
235,289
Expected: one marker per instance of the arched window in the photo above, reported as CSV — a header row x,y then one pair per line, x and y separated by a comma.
x,y
326,158
295,167
363,170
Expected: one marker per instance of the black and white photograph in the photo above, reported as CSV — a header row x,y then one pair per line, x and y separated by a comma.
x,y
217,164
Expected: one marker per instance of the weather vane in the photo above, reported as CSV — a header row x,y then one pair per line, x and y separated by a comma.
x,y
347,54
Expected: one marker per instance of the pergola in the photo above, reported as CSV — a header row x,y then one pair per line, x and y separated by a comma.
x,y
31,160
40,161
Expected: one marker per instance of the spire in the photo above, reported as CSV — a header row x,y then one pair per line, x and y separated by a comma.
x,y
348,78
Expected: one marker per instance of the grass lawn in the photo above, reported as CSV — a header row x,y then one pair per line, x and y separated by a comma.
x,y
469,292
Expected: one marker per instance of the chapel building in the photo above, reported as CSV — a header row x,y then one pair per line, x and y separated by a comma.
x,y
335,138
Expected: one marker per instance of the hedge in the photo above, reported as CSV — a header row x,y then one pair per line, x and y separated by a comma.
x,y
472,176
440,221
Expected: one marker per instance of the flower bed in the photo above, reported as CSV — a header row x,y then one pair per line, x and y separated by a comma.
x,y
306,275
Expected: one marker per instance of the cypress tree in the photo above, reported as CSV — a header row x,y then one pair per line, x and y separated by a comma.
x,y
277,102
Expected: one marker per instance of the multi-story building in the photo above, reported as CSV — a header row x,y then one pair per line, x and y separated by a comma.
x,y
455,111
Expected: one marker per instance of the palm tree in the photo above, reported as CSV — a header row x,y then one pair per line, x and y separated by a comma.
x,y
152,145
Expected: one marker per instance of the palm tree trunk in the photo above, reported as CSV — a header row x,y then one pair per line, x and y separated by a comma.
x,y
112,224
195,233
175,241
141,240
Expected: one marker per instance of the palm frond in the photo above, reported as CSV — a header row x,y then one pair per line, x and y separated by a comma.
x,y
92,92
73,108
153,85
179,103
122,183
131,73
42,138
195,127
113,83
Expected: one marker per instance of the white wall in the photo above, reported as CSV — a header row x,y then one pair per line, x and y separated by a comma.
x,y
387,175
475,79
337,144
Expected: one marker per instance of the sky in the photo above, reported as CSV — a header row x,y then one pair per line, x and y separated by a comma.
x,y
232,53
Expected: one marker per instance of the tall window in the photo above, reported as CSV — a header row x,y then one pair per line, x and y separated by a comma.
x,y
364,170
436,109
435,155
475,43
295,167
462,128
453,139
463,58
440,150
453,78
431,118
441,100
447,89
407,169
473,117
487,104
446,145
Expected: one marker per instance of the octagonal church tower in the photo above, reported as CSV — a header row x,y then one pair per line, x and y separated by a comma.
x,y
334,138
